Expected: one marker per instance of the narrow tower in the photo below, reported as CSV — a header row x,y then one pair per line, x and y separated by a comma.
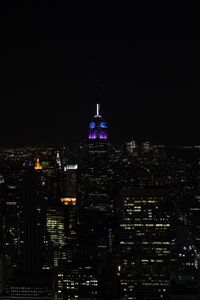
x,y
97,165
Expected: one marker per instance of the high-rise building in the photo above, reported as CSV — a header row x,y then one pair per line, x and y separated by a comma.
x,y
69,204
96,209
2,211
31,278
3,273
67,271
96,173
31,225
144,243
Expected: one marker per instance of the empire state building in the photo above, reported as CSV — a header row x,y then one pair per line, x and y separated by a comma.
x,y
97,196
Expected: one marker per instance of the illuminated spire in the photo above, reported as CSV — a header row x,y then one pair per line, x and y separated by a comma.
x,y
38,166
97,110
98,107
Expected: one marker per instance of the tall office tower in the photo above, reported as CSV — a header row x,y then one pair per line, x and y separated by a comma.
x,y
144,244
12,230
96,184
31,279
67,270
69,181
61,216
69,200
2,205
96,205
31,223
3,275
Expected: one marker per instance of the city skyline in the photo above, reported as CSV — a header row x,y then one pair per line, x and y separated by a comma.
x,y
99,161
99,221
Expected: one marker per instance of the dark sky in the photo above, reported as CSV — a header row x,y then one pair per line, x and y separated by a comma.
x,y
150,88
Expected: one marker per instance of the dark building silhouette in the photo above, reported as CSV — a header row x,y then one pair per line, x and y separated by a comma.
x,y
31,223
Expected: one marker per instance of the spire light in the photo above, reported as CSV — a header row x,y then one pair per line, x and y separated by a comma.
x,y
98,108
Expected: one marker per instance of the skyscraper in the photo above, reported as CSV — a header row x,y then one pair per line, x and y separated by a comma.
x,y
31,226
67,269
96,173
96,206
144,243
2,200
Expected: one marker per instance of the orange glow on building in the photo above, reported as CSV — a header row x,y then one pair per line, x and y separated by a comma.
x,y
68,201
38,165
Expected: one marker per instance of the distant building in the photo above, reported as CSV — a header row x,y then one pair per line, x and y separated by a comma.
x,y
38,165
130,147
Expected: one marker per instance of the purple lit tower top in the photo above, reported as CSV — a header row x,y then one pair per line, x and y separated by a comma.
x,y
98,127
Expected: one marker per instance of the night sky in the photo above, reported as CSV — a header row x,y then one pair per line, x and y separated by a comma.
x,y
150,89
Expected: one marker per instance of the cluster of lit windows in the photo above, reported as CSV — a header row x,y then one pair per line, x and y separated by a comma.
x,y
55,227
157,243
139,201
30,291
130,226
140,219
92,282
156,283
